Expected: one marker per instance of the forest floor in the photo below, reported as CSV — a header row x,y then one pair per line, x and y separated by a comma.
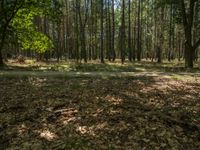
x,y
134,106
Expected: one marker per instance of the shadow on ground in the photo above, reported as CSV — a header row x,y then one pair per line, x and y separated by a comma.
x,y
95,113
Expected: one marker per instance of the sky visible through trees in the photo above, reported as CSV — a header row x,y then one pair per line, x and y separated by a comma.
x,y
99,74
85,30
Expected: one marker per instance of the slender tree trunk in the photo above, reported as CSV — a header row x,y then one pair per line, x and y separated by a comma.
x,y
129,32
102,34
1,57
161,36
170,33
122,30
139,30
113,31
2,45
109,33
135,36
179,46
83,45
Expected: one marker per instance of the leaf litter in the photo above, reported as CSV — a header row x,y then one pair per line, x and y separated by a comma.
x,y
94,113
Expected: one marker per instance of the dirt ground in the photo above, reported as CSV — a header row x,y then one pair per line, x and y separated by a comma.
x,y
140,112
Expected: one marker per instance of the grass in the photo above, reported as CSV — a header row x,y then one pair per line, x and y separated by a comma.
x,y
98,67
173,70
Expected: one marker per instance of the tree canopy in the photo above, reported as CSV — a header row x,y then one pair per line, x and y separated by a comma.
x,y
104,29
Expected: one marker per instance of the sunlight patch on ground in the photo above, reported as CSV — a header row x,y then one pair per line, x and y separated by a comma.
x,y
114,100
86,130
37,82
67,115
48,135
98,111
22,129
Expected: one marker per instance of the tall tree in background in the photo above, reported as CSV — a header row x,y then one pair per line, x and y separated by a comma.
x,y
87,30
123,33
102,31
139,42
83,18
109,36
129,32
188,22
113,31
160,35
8,10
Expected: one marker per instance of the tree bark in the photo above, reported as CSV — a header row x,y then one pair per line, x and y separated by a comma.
x,y
113,31
2,45
189,58
1,57
122,39
129,32
139,32
188,21
102,34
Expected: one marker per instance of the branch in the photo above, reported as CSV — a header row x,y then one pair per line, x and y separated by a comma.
x,y
2,9
16,9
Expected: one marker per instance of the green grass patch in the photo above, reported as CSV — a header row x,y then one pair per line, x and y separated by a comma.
x,y
98,67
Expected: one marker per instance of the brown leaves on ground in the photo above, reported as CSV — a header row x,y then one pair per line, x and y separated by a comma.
x,y
123,113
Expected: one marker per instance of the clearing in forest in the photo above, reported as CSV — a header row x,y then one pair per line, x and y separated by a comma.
x,y
99,112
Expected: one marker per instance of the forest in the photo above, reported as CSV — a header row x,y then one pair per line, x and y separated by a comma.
x,y
99,74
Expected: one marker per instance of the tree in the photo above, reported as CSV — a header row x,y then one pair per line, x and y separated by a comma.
x,y
86,29
83,22
113,31
139,47
123,33
17,17
129,32
102,32
188,22
8,11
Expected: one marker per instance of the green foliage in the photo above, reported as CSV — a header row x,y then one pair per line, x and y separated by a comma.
x,y
27,33
17,21
37,42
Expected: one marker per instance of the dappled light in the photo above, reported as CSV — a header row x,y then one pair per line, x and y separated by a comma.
x,y
99,75
65,116
22,129
48,135
86,130
114,100
137,111
37,82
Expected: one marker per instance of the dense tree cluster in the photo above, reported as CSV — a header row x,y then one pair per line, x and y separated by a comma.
x,y
101,29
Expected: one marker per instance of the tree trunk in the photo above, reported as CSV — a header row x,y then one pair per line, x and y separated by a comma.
x,y
139,32
129,31
83,45
189,56
122,39
113,31
1,57
1,45
102,34
159,54
188,22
